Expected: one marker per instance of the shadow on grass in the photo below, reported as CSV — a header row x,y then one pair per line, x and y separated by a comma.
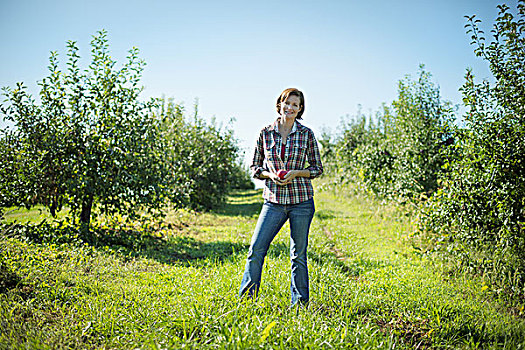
x,y
352,268
242,203
187,250
183,250
168,249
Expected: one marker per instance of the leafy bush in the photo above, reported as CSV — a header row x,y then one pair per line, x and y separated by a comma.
x,y
479,214
241,178
417,131
357,155
90,140
91,144
203,159
400,155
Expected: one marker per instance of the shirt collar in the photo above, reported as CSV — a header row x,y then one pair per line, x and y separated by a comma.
x,y
295,127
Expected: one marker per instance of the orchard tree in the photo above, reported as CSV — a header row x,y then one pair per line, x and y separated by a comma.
x,y
417,131
401,154
480,212
89,142
202,158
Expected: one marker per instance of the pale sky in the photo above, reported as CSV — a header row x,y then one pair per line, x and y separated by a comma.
x,y
237,56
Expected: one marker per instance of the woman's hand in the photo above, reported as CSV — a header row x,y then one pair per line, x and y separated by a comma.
x,y
292,174
275,178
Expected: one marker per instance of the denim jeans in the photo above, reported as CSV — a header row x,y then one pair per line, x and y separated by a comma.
x,y
272,218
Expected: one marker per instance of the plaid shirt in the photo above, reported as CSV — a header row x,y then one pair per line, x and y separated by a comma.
x,y
301,146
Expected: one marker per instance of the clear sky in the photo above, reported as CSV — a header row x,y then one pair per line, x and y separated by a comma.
x,y
237,56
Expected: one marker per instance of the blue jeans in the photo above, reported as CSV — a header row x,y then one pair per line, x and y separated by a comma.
x,y
272,218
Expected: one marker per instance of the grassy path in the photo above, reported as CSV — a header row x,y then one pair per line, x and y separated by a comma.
x,y
177,287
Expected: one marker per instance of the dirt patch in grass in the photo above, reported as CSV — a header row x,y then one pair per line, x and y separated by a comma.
x,y
416,333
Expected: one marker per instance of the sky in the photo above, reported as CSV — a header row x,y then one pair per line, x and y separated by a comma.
x,y
236,57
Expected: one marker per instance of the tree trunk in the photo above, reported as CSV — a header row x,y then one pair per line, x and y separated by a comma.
x,y
53,208
85,214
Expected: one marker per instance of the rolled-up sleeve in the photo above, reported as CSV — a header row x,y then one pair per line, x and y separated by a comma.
x,y
257,166
314,157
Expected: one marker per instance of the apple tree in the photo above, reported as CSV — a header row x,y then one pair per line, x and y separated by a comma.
x,y
202,158
479,213
89,143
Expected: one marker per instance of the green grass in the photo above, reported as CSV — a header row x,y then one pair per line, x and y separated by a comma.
x,y
177,287
32,215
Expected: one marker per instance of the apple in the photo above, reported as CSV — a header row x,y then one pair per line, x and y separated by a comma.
x,y
282,173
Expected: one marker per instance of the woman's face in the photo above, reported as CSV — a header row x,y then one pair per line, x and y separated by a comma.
x,y
291,106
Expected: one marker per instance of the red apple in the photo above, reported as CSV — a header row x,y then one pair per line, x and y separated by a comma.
x,y
282,173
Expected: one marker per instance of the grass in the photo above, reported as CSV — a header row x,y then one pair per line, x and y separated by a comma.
x,y
176,287
33,215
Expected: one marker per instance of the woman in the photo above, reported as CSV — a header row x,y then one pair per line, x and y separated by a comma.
x,y
281,154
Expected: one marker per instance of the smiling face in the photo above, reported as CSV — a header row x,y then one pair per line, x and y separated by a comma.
x,y
290,107
290,103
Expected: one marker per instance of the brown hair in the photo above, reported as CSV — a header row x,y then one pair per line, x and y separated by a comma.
x,y
287,93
